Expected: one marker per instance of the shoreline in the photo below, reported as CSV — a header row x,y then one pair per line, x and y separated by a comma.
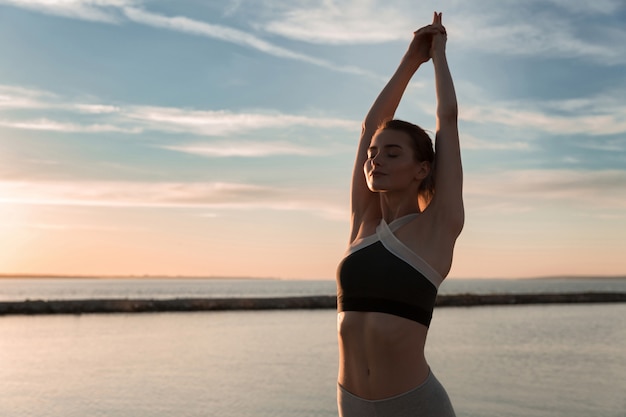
x,y
104,306
272,278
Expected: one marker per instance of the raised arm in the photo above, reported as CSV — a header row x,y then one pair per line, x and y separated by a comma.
x,y
448,169
364,203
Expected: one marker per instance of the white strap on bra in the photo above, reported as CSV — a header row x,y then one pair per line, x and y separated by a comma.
x,y
385,234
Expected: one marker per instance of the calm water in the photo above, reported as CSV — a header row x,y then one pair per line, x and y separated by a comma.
x,y
540,361
72,288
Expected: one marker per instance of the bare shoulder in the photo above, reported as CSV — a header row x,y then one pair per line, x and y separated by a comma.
x,y
432,236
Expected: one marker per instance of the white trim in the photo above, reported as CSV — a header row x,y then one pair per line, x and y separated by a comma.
x,y
399,249
385,234
371,239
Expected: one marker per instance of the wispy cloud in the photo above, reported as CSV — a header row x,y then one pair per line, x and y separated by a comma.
x,y
546,28
126,193
221,122
133,119
599,115
345,22
56,126
243,149
121,11
600,190
536,28
104,11
224,33
236,36
14,97
550,29
603,114
190,195
469,141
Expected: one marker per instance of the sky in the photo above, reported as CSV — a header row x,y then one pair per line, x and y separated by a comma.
x,y
195,138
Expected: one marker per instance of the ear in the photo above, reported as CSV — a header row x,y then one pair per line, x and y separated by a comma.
x,y
422,170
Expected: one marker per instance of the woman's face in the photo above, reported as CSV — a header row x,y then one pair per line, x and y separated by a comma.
x,y
391,164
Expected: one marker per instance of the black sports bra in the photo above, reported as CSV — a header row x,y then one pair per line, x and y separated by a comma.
x,y
381,274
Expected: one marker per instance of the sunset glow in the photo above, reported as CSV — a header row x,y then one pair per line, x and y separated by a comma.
x,y
217,139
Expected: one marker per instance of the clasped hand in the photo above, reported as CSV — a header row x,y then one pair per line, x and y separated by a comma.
x,y
428,41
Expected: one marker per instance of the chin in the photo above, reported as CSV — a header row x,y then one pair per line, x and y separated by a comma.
x,y
375,188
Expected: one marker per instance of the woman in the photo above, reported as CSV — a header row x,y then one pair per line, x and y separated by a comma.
x,y
403,233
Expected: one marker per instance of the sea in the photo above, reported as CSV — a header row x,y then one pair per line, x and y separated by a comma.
x,y
513,361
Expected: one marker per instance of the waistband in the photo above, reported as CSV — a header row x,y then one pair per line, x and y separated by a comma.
x,y
429,380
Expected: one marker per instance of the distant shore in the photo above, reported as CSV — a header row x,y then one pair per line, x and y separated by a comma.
x,y
215,277
123,277
41,307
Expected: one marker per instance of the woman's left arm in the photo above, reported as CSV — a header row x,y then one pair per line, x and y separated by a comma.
x,y
448,169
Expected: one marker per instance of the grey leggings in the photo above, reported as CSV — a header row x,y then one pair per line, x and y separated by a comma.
x,y
427,400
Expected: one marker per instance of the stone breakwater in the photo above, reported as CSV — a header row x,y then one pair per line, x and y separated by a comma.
x,y
38,307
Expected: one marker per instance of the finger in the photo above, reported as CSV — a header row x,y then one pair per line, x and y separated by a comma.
x,y
430,29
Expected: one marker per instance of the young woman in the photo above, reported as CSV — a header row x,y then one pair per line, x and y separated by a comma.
x,y
407,212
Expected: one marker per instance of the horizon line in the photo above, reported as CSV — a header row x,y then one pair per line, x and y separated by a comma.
x,y
222,277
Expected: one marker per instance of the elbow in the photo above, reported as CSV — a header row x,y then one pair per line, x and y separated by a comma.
x,y
369,126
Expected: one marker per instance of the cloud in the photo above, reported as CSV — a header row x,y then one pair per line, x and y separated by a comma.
x,y
97,108
236,36
243,149
600,191
132,119
103,11
602,7
14,97
599,115
346,22
56,126
224,33
120,11
125,193
604,114
190,195
222,122
469,141
539,28
550,29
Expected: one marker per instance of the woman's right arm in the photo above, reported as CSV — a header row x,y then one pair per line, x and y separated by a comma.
x,y
365,205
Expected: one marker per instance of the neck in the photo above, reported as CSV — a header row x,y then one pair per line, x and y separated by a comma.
x,y
393,206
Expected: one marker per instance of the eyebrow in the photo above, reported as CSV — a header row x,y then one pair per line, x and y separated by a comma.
x,y
392,145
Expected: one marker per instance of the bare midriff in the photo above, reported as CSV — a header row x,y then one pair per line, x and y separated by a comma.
x,y
380,355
